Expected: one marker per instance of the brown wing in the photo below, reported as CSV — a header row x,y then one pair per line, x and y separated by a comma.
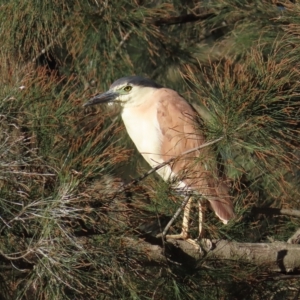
x,y
179,129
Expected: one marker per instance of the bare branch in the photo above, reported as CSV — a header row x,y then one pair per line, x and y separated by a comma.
x,y
290,212
124,39
277,256
183,204
177,213
295,238
159,166
276,211
29,174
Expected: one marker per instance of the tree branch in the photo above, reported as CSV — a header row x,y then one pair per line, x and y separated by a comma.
x,y
277,256
124,39
276,211
295,238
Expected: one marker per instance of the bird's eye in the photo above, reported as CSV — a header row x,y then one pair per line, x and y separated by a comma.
x,y
127,88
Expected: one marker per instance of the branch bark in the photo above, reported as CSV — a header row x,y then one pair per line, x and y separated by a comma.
x,y
295,238
277,256
276,211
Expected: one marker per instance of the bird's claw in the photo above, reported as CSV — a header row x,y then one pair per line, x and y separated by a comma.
x,y
205,244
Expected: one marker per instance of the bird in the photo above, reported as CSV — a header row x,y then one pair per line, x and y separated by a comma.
x,y
163,125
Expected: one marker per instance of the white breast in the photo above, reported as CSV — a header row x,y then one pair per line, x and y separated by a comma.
x,y
145,133
142,126
144,130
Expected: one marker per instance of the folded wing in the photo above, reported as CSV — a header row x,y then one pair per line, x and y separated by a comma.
x,y
180,133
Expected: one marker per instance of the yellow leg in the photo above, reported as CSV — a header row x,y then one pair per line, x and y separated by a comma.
x,y
184,235
185,223
206,244
201,220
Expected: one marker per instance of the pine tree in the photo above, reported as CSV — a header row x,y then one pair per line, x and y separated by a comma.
x,y
68,227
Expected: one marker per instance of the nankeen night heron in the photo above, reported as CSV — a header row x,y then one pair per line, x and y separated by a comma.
x,y
163,125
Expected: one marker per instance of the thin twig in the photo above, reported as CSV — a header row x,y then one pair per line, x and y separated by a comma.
x,y
9,257
28,174
124,39
50,44
159,166
177,213
43,51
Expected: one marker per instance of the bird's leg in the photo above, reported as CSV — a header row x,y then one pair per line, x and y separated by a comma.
x,y
206,244
184,235
201,220
185,221
182,206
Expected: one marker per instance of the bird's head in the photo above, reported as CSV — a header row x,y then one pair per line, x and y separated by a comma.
x,y
128,91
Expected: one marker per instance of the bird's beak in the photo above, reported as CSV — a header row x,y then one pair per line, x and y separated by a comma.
x,y
102,98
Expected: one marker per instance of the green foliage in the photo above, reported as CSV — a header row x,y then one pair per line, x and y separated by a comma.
x,y
63,224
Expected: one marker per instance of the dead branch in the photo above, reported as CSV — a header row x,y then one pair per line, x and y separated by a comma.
x,y
277,256
295,238
276,211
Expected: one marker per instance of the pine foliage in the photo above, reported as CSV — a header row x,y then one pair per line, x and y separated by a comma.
x,y
64,222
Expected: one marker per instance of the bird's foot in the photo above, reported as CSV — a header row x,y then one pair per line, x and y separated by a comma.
x,y
205,244
184,236
202,244
181,236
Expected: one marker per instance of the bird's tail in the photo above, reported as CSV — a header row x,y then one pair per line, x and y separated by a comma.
x,y
222,204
